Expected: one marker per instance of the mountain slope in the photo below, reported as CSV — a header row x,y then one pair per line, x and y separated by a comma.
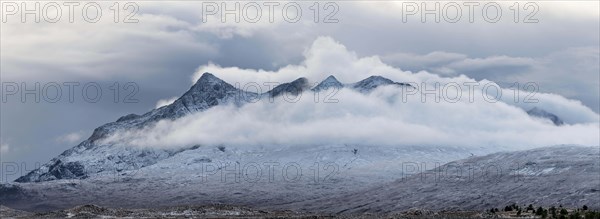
x,y
363,181
328,83
294,88
372,82
552,176
254,177
92,156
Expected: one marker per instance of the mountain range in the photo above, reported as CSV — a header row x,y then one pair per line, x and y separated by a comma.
x,y
285,177
207,92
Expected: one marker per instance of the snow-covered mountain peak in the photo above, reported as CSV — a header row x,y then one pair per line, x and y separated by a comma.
x,y
295,87
372,82
209,79
329,82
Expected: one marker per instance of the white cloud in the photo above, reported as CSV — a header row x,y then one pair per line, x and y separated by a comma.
x,y
324,57
376,119
164,102
382,117
71,138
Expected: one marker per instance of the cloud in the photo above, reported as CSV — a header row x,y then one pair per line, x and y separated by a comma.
x,y
164,102
380,118
43,51
453,64
324,57
571,72
493,67
433,62
170,42
387,116
71,138
327,57
4,148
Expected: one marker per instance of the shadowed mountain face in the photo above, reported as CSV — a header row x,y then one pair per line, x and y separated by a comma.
x,y
540,113
207,92
294,88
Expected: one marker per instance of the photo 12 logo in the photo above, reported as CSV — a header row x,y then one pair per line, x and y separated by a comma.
x,y
471,11
54,92
54,12
268,172
272,11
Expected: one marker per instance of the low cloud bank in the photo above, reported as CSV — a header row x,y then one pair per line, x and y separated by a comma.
x,y
386,116
379,118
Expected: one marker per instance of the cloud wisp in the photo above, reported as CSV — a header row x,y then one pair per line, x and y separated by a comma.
x,y
72,138
164,102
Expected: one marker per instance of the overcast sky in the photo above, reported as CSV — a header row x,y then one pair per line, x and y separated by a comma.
x,y
162,52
